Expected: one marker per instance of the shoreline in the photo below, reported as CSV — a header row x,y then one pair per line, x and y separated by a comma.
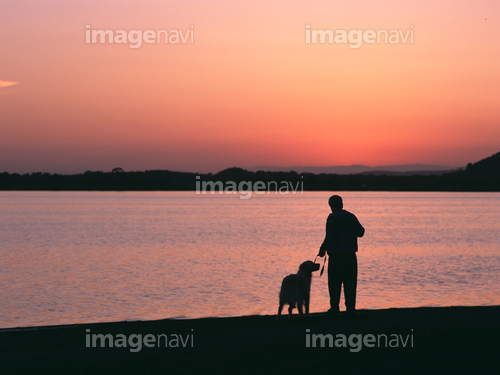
x,y
203,318
445,339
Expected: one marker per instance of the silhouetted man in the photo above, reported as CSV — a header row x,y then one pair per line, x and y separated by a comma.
x,y
341,243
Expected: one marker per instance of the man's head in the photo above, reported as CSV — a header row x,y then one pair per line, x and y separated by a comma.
x,y
335,203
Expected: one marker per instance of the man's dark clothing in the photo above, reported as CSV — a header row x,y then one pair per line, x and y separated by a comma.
x,y
343,269
341,243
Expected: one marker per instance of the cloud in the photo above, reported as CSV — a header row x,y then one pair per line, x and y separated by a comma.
x,y
8,83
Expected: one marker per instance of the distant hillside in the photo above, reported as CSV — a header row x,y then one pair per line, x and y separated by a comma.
x,y
489,167
481,176
423,169
407,173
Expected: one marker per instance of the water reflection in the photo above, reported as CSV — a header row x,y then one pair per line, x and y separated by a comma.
x,y
71,257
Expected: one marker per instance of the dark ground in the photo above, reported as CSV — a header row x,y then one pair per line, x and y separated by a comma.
x,y
448,340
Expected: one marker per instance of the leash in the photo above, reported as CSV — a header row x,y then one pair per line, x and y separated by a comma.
x,y
322,268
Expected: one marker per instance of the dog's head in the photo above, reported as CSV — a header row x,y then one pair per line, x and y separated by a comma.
x,y
308,267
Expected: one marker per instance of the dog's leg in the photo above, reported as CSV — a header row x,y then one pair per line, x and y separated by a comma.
x,y
306,303
279,310
299,307
290,308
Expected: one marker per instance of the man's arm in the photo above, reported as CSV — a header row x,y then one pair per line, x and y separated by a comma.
x,y
322,249
324,246
360,231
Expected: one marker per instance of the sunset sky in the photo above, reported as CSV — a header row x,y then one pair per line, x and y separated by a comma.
x,y
249,91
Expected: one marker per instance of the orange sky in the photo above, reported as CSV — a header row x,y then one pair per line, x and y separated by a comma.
x,y
249,91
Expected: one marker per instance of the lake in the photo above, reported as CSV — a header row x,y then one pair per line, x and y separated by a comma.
x,y
81,257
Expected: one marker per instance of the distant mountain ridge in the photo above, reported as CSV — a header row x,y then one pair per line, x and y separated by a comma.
x,y
486,167
483,175
423,169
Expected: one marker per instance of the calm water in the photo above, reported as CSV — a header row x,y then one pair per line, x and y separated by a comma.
x,y
74,257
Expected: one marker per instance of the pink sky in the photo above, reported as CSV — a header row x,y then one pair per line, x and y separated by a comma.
x,y
249,91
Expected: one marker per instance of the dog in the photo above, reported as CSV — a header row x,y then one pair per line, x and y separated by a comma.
x,y
296,289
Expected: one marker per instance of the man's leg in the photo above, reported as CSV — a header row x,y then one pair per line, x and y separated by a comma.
x,y
350,281
334,282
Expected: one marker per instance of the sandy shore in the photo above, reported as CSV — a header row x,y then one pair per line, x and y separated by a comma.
x,y
419,340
